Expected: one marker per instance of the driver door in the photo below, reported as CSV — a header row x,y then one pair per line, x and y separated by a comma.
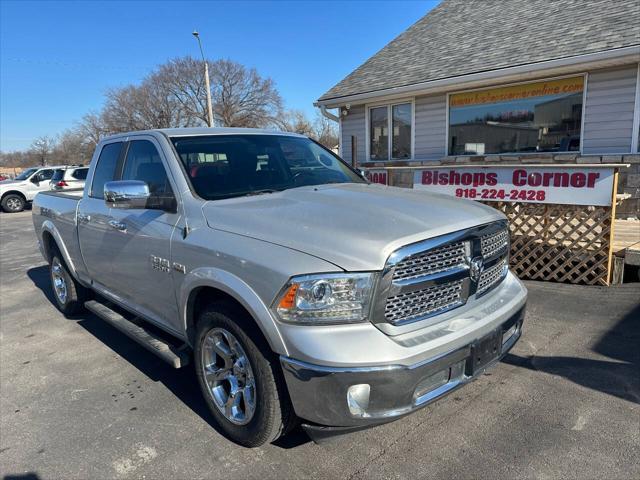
x,y
140,239
39,182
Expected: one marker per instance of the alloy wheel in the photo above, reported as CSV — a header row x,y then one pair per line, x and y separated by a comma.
x,y
59,282
14,204
229,376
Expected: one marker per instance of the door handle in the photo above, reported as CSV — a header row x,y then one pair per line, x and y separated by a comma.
x,y
82,218
118,225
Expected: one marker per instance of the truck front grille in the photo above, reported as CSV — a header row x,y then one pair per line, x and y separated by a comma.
x,y
491,276
495,243
429,301
430,262
431,277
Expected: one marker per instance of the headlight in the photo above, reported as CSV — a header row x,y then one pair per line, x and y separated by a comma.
x,y
325,298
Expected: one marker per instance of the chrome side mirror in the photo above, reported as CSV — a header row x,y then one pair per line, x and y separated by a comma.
x,y
126,194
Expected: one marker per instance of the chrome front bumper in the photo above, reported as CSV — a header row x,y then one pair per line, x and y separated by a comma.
x,y
361,396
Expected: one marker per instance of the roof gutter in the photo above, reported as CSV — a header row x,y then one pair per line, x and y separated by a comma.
x,y
329,115
558,66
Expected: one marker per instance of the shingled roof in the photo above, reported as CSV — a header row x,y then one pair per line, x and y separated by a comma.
x,y
461,37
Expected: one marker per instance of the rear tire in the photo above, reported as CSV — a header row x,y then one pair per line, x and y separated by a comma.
x,y
68,293
231,357
13,203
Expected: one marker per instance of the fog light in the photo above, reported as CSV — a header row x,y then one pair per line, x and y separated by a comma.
x,y
509,333
358,399
431,383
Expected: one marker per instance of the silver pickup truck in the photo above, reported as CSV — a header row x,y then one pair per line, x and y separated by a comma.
x,y
300,291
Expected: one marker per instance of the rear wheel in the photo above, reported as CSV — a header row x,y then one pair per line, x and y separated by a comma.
x,y
13,203
240,377
68,293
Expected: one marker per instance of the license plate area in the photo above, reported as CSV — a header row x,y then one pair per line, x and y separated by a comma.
x,y
485,351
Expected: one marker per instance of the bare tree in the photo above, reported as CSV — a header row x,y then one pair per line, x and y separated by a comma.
x,y
325,131
296,121
42,148
182,82
92,128
242,98
321,129
72,148
17,159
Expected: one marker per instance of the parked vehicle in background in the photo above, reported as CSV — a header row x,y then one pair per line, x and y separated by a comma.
x,y
16,194
2,177
299,289
69,178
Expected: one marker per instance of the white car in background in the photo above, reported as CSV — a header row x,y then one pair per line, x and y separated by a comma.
x,y
17,193
69,178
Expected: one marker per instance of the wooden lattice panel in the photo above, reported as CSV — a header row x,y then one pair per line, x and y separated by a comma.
x,y
562,243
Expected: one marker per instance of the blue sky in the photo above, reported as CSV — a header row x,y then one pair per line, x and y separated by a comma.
x,y
58,58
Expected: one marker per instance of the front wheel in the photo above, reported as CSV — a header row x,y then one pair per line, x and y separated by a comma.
x,y
13,203
240,378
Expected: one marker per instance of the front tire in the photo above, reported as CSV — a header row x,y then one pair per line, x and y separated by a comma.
x,y
68,293
13,203
240,377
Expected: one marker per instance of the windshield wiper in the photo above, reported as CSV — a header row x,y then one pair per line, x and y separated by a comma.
x,y
260,192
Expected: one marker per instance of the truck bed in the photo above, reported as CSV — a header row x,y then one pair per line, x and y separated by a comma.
x,y
55,212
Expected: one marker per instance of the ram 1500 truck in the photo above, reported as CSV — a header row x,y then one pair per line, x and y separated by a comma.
x,y
300,291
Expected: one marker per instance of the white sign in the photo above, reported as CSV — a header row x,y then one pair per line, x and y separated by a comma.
x,y
377,176
570,186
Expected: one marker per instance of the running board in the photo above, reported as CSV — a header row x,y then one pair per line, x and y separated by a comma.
x,y
175,356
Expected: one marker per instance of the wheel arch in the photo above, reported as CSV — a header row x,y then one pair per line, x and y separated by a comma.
x,y
200,289
51,240
14,192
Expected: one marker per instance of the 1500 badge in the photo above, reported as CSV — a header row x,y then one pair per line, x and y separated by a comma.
x,y
163,265
160,264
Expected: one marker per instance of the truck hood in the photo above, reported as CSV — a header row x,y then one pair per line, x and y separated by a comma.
x,y
353,226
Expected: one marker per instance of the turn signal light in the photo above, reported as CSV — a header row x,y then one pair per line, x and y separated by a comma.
x,y
62,183
289,299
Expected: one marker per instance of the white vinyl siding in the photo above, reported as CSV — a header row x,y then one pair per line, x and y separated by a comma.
x,y
430,127
608,114
353,124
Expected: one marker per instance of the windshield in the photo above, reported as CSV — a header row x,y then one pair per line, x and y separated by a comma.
x,y
224,166
26,174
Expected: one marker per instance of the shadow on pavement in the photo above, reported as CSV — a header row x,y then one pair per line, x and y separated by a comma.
x,y
618,377
181,382
22,476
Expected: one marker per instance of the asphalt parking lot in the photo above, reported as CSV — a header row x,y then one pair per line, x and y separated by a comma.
x,y
80,400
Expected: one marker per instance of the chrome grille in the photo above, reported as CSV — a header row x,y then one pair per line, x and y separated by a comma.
x,y
494,243
428,278
491,276
435,299
432,261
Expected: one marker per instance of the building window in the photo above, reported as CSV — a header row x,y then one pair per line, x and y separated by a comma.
x,y
390,132
533,117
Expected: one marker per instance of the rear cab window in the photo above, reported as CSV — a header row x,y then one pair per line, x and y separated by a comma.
x,y
105,169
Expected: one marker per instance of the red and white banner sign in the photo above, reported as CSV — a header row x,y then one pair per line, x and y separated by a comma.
x,y
377,176
571,186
